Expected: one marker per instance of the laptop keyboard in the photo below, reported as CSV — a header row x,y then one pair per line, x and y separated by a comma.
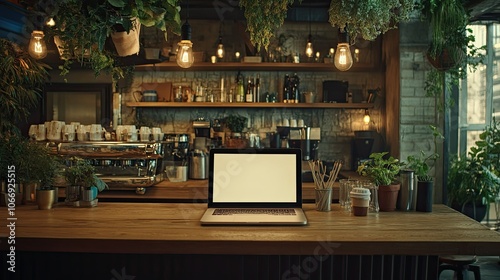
x,y
223,211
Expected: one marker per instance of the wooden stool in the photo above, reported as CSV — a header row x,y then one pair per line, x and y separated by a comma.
x,y
459,264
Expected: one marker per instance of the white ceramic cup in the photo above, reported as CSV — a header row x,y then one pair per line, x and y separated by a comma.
x,y
33,131
54,131
293,123
41,133
96,132
286,122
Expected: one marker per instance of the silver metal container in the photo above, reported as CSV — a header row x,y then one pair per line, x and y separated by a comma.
x,y
198,165
407,191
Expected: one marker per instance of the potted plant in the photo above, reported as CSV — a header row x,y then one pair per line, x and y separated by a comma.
x,y
473,180
236,124
421,164
81,177
383,172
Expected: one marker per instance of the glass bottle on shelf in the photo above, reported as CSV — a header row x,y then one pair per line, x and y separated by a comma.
x,y
249,95
286,89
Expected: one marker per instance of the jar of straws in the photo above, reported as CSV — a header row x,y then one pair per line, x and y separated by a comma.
x,y
323,182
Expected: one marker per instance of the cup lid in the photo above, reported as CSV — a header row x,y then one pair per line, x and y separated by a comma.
x,y
360,193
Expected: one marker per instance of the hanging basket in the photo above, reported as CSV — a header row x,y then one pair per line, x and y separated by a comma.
x,y
127,43
447,59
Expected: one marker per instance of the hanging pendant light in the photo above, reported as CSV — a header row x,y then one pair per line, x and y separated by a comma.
x,y
37,48
366,117
343,57
220,47
309,45
185,57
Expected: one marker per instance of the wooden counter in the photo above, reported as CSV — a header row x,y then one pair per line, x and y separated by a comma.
x,y
156,231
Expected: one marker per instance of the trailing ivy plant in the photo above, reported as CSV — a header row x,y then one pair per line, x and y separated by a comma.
x,y
263,18
368,19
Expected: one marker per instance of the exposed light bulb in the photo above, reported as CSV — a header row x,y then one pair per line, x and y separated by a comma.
x,y
185,58
37,48
343,57
356,55
220,49
309,47
50,22
366,117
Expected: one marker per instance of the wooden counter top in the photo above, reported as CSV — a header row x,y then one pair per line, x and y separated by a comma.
x,y
172,228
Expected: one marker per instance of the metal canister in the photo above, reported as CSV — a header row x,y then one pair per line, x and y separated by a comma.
x,y
198,165
407,191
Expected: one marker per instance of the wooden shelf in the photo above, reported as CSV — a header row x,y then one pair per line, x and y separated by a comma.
x,y
247,66
249,105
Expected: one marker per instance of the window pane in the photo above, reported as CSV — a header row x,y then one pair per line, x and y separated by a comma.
x,y
476,83
472,137
496,71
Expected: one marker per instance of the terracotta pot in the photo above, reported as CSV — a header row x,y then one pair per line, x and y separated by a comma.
x,y
387,197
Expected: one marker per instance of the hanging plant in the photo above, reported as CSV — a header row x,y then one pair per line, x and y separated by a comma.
x,y
82,27
368,18
263,18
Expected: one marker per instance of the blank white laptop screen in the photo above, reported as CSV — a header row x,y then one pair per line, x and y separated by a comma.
x,y
258,178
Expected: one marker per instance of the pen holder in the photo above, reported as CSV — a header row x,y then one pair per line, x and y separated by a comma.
x,y
323,199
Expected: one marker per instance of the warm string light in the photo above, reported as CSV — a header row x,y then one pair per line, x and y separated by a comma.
x,y
220,49
185,57
309,47
37,48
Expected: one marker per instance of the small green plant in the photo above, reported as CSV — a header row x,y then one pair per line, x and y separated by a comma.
x,y
82,173
236,123
421,165
383,171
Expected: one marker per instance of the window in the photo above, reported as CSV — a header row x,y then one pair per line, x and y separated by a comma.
x,y
479,99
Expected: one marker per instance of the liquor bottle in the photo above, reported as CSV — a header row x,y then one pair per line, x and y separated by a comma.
x,y
257,89
286,89
295,88
240,90
249,96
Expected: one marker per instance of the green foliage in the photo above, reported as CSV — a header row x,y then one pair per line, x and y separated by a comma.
x,y
22,78
84,26
32,161
451,38
368,19
382,171
82,173
475,178
236,123
263,18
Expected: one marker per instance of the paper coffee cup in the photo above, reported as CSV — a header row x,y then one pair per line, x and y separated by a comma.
x,y
360,201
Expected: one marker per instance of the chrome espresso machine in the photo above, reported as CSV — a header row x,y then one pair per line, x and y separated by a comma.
x,y
122,165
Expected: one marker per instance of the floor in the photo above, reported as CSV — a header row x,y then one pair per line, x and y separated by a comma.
x,y
490,269
489,265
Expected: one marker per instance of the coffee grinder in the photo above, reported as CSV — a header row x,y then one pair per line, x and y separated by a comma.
x,y
361,150
202,134
283,133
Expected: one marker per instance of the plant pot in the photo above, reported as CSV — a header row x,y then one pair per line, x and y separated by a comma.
x,y
237,143
387,197
45,199
127,43
468,210
446,60
425,196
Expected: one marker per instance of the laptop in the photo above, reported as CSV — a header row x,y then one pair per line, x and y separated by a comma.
x,y
254,187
